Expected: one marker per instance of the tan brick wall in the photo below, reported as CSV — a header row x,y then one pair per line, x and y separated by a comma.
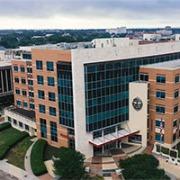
x,y
55,56
19,85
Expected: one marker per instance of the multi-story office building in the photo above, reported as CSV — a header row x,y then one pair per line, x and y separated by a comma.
x,y
163,105
22,115
81,95
6,88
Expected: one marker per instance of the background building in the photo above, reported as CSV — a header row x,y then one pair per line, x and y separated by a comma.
x,y
6,85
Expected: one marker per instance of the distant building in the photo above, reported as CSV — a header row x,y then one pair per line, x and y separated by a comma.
x,y
151,36
119,30
114,42
167,31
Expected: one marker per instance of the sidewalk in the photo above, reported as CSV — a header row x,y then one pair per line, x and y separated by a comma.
x,y
170,168
15,171
27,160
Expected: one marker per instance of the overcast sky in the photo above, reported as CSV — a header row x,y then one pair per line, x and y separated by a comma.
x,y
76,14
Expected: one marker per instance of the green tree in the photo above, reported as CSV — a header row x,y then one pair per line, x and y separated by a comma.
x,y
69,164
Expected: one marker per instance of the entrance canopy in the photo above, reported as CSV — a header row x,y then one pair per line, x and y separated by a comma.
x,y
97,142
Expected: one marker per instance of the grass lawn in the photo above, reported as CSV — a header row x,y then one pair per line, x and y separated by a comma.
x,y
8,138
17,154
50,151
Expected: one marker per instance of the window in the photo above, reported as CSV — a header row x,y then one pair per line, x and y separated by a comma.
x,y
14,122
53,131
24,93
9,119
17,91
26,127
161,79
160,109
21,124
52,96
176,94
42,108
41,94
22,69
39,65
30,82
16,80
144,77
18,103
43,128
160,94
174,137
25,104
177,78
29,70
176,109
15,68
52,111
31,105
31,94
40,79
175,123
159,137
50,66
23,81
159,123
50,81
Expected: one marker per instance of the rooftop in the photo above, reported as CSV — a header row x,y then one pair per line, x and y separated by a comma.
x,y
5,63
26,113
65,46
170,65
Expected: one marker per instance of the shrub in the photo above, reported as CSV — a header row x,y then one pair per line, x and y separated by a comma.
x,y
37,158
5,126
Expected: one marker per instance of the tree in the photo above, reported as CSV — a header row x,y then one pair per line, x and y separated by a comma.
x,y
69,164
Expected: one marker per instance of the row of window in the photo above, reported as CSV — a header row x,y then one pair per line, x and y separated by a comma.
x,y
49,65
161,123
159,78
162,94
22,69
50,80
162,109
51,95
160,137
18,123
52,110
25,104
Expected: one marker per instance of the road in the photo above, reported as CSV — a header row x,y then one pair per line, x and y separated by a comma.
x,y
4,176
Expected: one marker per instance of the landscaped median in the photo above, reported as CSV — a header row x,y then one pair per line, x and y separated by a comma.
x,y
8,138
37,158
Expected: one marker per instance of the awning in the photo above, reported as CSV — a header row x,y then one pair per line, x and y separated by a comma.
x,y
111,137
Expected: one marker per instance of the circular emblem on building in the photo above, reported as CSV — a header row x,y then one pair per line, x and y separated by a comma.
x,y
137,103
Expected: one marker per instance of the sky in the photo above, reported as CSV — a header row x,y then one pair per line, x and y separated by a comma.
x,y
84,14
